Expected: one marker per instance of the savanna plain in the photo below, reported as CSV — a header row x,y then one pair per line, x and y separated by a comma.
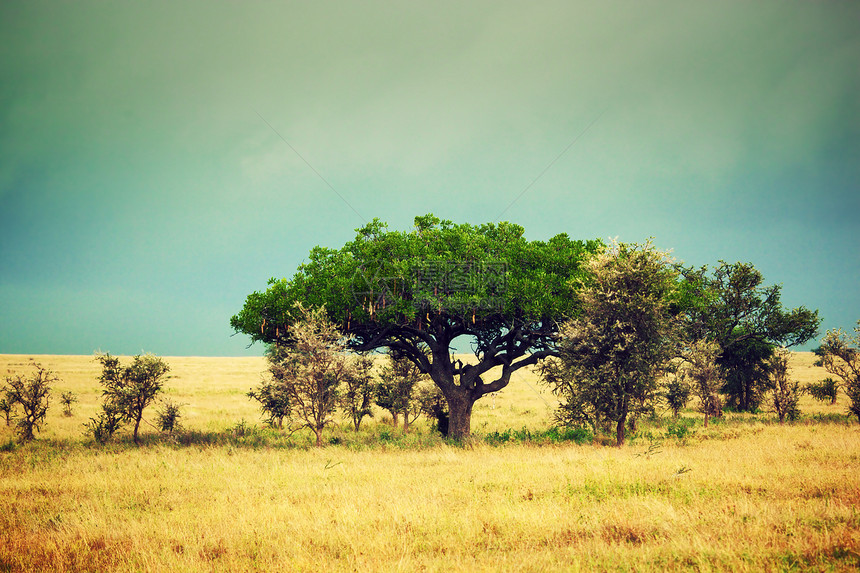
x,y
226,493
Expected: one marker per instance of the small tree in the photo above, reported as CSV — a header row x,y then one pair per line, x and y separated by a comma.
x,y
396,389
358,390
732,306
840,355
274,401
32,393
825,391
785,395
67,399
129,390
614,353
705,376
310,368
676,394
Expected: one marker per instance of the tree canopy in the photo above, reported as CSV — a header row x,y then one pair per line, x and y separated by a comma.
x,y
732,307
614,353
432,285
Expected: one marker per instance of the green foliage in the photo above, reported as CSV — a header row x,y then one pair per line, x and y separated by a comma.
x,y
785,394
128,390
826,390
553,435
680,428
397,388
840,355
67,399
429,286
358,390
106,424
32,394
614,353
747,379
167,417
701,371
274,401
732,307
676,395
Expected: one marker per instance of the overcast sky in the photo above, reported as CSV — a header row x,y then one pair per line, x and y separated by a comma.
x,y
160,161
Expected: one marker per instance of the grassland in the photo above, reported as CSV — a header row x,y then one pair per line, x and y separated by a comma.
x,y
744,495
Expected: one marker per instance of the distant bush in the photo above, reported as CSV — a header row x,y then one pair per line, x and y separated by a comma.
x,y
67,399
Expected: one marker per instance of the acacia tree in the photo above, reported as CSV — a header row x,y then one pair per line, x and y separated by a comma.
x,y
734,308
310,368
129,390
614,353
839,354
438,285
705,376
32,394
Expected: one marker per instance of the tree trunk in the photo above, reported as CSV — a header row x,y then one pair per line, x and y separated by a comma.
x,y
460,416
318,432
136,427
619,431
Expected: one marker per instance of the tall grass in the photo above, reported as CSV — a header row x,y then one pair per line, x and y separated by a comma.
x,y
225,495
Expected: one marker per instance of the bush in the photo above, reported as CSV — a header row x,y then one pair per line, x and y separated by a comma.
x,y
825,391
680,428
274,402
67,399
785,394
104,426
167,418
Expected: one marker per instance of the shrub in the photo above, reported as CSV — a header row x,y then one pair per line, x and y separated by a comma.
x,y
67,399
167,417
274,401
785,395
104,426
825,391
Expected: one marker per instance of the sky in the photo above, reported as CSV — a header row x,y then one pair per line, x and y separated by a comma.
x,y
161,161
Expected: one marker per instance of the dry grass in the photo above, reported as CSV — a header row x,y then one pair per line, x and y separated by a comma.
x,y
747,495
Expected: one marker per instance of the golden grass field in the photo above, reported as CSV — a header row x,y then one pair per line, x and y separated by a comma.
x,y
744,495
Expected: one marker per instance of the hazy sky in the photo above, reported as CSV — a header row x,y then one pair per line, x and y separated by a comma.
x,y
143,193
